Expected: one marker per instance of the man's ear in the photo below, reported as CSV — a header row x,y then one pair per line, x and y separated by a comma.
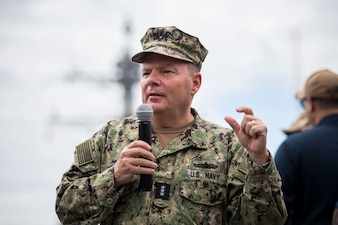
x,y
197,81
311,104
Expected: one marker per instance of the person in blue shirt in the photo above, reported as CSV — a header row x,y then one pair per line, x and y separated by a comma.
x,y
308,161
335,215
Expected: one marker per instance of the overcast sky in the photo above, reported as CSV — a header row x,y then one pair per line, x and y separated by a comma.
x,y
260,54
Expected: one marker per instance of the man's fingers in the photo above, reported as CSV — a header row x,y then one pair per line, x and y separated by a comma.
x,y
246,110
233,123
140,162
138,149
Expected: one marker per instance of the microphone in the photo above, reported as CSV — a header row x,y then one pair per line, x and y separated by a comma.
x,y
144,113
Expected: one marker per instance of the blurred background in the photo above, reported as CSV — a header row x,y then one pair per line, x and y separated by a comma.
x,y
64,72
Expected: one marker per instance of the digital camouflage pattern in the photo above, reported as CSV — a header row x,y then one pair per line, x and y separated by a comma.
x,y
173,42
204,177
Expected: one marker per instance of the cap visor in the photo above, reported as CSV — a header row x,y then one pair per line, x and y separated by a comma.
x,y
159,50
300,94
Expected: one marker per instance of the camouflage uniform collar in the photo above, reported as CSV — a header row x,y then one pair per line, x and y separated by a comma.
x,y
195,135
198,131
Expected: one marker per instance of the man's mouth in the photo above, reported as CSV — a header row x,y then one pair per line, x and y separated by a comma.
x,y
154,94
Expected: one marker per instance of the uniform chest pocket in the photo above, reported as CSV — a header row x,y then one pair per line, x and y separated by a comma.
x,y
203,192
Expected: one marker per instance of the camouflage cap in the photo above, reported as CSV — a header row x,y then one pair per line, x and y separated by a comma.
x,y
172,42
321,84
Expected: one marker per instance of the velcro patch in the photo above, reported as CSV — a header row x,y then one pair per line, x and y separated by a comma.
x,y
84,153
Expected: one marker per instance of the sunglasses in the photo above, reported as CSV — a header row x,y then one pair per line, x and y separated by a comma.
x,y
302,102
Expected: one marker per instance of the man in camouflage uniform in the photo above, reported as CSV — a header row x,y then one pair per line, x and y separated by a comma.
x,y
203,173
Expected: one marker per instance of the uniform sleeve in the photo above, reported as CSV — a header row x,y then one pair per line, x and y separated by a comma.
x,y
255,195
85,194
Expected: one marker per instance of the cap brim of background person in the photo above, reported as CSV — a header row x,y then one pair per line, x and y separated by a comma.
x,y
300,94
300,124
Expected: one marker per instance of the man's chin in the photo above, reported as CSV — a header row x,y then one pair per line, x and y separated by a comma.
x,y
156,106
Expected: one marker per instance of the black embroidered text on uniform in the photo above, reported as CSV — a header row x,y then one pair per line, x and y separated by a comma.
x,y
205,165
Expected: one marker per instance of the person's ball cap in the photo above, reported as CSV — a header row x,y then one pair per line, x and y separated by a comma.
x,y
321,84
171,41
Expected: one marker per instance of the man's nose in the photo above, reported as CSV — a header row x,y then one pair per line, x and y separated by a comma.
x,y
153,79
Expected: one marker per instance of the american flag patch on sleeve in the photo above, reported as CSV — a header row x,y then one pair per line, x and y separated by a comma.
x,y
84,153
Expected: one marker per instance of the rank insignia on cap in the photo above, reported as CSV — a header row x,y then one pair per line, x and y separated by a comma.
x,y
84,153
162,190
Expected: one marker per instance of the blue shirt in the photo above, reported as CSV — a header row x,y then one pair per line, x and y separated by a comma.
x,y
308,164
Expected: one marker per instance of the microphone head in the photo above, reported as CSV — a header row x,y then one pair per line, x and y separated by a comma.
x,y
144,112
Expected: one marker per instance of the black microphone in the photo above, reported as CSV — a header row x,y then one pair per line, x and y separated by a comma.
x,y
144,113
